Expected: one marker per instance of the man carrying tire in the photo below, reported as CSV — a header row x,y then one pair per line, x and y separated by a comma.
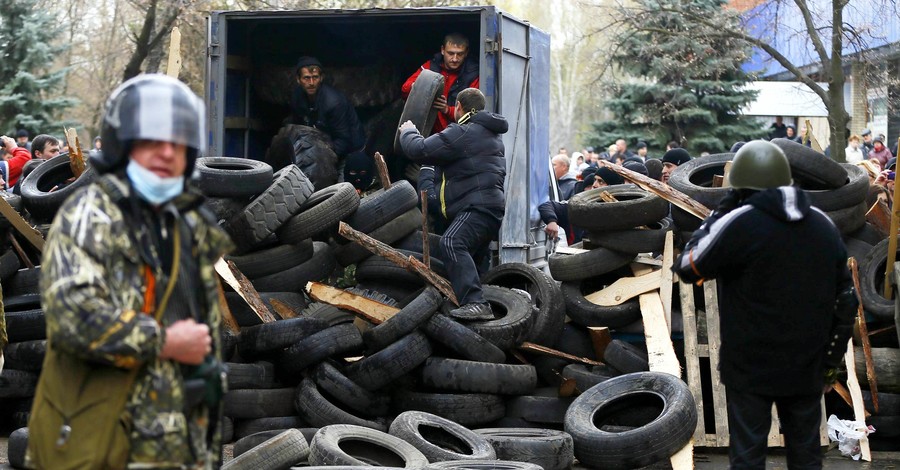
x,y
787,305
316,104
470,155
458,73
133,372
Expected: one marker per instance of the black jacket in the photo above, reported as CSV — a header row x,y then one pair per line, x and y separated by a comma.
x,y
780,265
331,114
567,186
471,159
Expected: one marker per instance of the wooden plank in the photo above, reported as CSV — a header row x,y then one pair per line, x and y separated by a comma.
x,y
774,438
892,243
537,348
660,189
19,251
383,175
879,215
283,310
665,288
720,409
660,352
864,334
227,317
568,250
727,182
856,395
600,339
644,259
375,312
76,158
30,233
173,66
691,356
236,279
624,289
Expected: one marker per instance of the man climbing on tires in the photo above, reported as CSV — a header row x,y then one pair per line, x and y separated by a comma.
x,y
316,104
787,305
459,73
470,155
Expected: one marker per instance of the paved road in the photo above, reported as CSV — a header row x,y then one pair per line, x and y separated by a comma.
x,y
718,461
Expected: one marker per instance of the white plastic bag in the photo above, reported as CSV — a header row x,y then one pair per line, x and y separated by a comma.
x,y
847,434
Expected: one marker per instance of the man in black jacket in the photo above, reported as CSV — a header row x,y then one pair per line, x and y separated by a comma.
x,y
318,105
470,155
786,300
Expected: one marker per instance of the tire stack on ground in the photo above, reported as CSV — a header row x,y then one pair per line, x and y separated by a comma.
x,y
26,329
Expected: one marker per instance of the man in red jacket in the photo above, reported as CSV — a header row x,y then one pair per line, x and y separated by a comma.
x,y
458,73
16,157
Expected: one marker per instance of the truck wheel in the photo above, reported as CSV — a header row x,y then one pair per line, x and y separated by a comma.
x,y
814,167
319,410
278,453
232,177
512,317
635,207
343,444
548,448
273,260
550,313
643,445
440,439
479,377
467,409
323,210
41,203
403,322
848,195
465,342
418,108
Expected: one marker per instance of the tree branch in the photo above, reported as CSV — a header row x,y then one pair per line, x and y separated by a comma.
x,y
813,33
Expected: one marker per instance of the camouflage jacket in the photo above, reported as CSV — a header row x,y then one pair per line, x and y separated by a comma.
x,y
93,288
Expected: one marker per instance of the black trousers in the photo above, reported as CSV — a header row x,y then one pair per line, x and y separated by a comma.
x,y
749,420
463,246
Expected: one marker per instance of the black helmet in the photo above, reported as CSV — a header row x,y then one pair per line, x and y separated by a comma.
x,y
150,107
760,165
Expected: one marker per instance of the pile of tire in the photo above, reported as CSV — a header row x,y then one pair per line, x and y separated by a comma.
x,y
26,330
45,185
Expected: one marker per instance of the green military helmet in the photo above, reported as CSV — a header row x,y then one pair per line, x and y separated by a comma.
x,y
759,165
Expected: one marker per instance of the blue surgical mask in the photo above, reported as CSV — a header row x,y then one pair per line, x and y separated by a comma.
x,y
151,187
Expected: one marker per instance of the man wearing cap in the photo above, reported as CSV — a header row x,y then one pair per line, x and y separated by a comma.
x,y
867,139
642,150
786,304
672,160
319,105
459,73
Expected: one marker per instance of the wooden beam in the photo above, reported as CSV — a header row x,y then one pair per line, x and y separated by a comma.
x,y
600,339
19,251
879,215
30,233
692,356
727,182
856,394
842,392
283,310
543,350
76,158
624,289
720,410
660,189
375,312
227,317
568,250
382,171
407,262
864,334
666,281
236,279
173,67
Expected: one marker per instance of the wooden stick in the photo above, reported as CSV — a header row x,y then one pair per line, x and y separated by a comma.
x,y
19,251
30,233
892,243
382,171
859,409
227,317
283,310
173,67
537,348
409,263
662,190
426,259
236,279
882,330
864,334
76,158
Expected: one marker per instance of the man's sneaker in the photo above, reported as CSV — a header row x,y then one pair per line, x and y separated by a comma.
x,y
473,311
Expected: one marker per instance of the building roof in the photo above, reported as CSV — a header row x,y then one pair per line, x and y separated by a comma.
x,y
785,99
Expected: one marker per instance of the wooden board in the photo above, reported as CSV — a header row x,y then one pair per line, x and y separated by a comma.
x,y
173,66
856,394
720,409
600,339
568,250
537,348
21,225
624,289
665,288
242,285
692,357
375,312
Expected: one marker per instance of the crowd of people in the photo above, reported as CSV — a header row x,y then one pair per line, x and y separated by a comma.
x,y
20,155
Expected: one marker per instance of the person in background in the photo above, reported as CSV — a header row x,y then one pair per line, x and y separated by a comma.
x,y
671,160
22,139
97,148
854,152
641,149
654,168
880,152
564,180
777,130
791,134
12,164
867,139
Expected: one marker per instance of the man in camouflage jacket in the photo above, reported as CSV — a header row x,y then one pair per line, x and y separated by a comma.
x,y
107,242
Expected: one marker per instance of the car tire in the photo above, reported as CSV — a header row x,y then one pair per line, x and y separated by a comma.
x,y
440,439
419,105
232,177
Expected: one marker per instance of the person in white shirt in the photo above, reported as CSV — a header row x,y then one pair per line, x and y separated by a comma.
x,y
854,151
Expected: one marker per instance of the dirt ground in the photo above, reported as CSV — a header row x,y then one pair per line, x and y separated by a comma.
x,y
705,460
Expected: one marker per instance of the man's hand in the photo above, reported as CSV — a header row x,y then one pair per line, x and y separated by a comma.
x,y
552,230
440,104
8,143
407,125
187,342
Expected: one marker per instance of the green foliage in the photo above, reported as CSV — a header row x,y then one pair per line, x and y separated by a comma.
x,y
28,87
681,89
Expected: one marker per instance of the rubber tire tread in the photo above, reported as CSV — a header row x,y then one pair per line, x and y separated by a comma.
x,y
379,209
278,453
482,465
232,177
383,367
406,426
635,241
389,233
17,446
325,448
273,260
682,178
407,320
549,315
849,219
335,383
592,263
318,410
462,340
40,203
625,357
254,375
322,211
850,194
27,325
378,268
589,314
419,106
808,164
25,355
642,446
17,383
468,409
479,377
280,334
339,339
9,265
548,448
509,330
244,428
871,289
588,211
271,209
294,279
536,409
261,403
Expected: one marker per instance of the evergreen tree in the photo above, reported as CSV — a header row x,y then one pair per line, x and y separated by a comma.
x,y
28,98
686,90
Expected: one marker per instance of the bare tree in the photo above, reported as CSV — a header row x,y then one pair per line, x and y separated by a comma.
x,y
148,41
